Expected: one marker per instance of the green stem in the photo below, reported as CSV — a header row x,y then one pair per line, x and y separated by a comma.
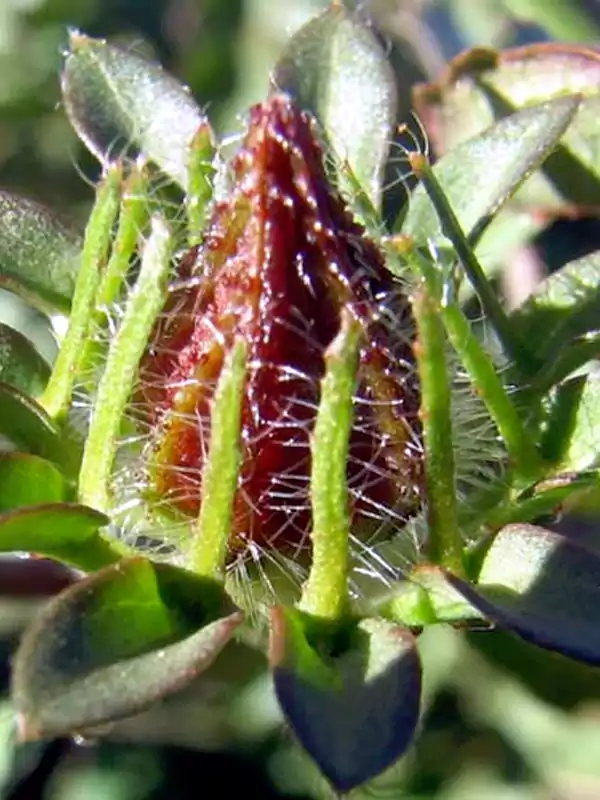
x,y
133,219
200,190
444,541
325,594
525,459
57,395
522,453
221,472
512,345
145,303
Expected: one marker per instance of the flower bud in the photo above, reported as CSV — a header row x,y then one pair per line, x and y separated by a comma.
x,y
279,260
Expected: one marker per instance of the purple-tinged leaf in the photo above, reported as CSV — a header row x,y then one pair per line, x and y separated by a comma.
x,y
33,577
354,711
114,643
542,587
482,85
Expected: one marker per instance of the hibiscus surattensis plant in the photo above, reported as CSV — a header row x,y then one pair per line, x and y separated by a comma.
x,y
271,417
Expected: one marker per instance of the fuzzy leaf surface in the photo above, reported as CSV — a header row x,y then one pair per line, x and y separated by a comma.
x,y
482,85
112,644
354,713
39,253
120,104
335,68
515,146
542,587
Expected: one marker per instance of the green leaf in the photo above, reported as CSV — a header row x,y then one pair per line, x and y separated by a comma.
x,y
121,104
516,146
542,587
114,643
20,363
564,307
335,68
39,253
28,480
547,498
27,426
354,712
562,21
482,86
582,450
65,531
426,597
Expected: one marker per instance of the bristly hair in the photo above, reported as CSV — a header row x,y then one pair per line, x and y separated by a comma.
x,y
279,259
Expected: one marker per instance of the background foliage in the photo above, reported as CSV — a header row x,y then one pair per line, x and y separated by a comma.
x,y
502,719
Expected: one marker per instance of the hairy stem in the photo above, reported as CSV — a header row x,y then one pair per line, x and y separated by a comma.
x,y
444,540
512,345
221,472
523,455
116,383
133,219
325,593
96,247
200,171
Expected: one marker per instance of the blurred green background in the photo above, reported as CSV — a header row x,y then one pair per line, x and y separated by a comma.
x,y
502,720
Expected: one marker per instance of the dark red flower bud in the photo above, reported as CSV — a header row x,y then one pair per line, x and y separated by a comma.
x,y
281,257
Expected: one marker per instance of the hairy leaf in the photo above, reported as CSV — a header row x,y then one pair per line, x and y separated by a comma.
x,y
39,253
336,69
543,587
354,712
515,146
121,104
482,86
114,643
